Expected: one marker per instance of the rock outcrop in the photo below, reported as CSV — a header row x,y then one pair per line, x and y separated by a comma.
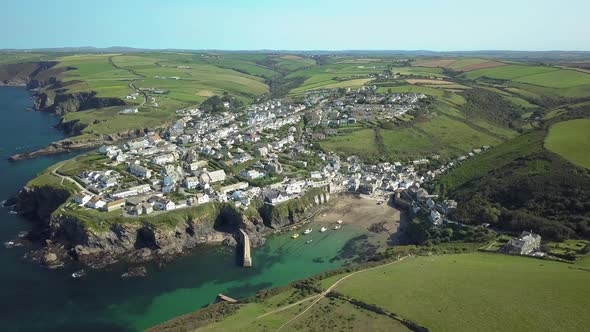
x,y
71,144
141,240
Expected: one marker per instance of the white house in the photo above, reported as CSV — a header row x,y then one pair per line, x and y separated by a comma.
x,y
165,204
140,171
82,199
141,189
163,159
96,202
215,176
274,196
251,174
435,217
202,198
191,182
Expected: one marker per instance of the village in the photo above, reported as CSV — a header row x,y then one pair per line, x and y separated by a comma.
x,y
267,152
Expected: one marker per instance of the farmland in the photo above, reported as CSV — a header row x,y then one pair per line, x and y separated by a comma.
x,y
571,140
508,72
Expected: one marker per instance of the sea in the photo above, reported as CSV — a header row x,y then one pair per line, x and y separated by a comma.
x,y
34,298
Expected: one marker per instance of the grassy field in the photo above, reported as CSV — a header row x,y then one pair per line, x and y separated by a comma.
x,y
454,292
571,140
509,72
496,157
110,74
446,132
108,121
557,79
335,315
489,291
359,142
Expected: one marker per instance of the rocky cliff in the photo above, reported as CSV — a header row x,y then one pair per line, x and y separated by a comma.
x,y
38,203
292,211
132,242
138,240
50,94
59,102
72,144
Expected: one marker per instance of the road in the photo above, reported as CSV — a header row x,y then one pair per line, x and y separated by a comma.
x,y
323,294
64,177
132,84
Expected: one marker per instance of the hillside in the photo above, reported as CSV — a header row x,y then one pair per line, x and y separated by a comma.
x,y
439,293
519,185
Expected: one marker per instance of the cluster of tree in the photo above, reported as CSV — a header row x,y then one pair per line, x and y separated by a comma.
x,y
421,232
217,104
280,86
482,103
537,191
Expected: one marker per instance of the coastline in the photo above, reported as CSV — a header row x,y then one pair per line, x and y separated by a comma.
x,y
32,77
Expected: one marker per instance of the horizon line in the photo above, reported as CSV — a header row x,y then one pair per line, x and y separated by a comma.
x,y
282,50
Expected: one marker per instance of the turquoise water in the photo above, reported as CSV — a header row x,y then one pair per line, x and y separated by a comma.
x,y
37,299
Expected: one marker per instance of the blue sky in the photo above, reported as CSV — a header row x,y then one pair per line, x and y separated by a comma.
x,y
298,25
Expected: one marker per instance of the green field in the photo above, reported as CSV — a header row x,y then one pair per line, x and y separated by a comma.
x,y
509,72
489,291
359,142
110,74
571,140
557,79
454,292
447,132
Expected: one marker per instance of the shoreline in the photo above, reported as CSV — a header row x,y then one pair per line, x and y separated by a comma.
x,y
40,100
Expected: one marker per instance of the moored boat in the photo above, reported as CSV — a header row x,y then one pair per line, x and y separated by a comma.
x,y
323,229
307,231
337,227
339,221
295,236
78,274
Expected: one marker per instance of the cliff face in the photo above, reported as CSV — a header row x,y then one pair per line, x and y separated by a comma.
x,y
26,74
292,211
72,144
61,103
37,203
138,241
134,242
50,93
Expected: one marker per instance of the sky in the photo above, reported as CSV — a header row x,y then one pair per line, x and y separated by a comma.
x,y
443,25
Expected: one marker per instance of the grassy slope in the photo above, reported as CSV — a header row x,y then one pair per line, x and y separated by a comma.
x,y
202,80
492,292
335,315
497,157
447,132
571,140
443,293
519,185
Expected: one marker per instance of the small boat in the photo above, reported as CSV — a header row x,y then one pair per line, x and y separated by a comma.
x,y
307,231
295,236
308,241
337,226
78,274
323,229
9,244
339,221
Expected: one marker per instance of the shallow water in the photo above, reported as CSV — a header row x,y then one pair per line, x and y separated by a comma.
x,y
36,299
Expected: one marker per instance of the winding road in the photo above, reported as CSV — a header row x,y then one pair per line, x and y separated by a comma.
x,y
323,294
64,177
132,84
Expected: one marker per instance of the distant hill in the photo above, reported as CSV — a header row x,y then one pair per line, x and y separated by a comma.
x,y
502,54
